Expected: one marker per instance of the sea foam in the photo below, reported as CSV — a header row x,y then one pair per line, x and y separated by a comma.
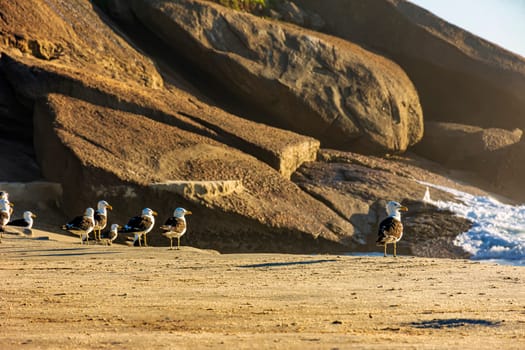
x,y
498,230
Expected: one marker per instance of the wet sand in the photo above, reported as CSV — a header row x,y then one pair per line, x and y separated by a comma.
x,y
57,293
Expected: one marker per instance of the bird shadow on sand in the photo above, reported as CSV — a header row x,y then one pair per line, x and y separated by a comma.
x,y
453,323
63,252
288,263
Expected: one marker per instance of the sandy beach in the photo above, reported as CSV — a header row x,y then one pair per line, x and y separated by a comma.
x,y
57,294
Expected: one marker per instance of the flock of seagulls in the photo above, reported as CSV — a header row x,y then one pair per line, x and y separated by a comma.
x,y
390,229
96,221
139,226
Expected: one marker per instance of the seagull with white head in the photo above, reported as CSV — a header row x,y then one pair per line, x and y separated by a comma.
x,y
6,210
141,225
391,229
82,225
175,226
26,223
101,218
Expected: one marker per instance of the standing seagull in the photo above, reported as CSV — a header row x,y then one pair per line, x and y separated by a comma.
x,y
82,225
5,211
175,226
4,202
141,225
391,228
101,218
26,223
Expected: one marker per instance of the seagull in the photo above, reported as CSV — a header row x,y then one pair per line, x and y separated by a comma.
x,y
141,225
5,204
112,235
26,223
6,209
391,228
175,226
82,225
101,218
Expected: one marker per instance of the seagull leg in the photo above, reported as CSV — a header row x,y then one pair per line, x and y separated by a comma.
x,y
395,249
171,243
385,250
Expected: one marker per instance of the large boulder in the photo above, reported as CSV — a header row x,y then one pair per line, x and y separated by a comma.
x,y
314,84
460,77
467,147
75,35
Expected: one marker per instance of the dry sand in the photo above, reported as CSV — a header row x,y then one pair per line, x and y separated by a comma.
x,y
57,294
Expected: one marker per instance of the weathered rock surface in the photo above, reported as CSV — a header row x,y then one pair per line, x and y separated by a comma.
x,y
473,148
313,84
281,149
460,77
74,34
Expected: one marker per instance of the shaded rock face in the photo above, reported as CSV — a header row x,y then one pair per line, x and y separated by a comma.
x,y
459,77
467,147
358,188
510,173
316,85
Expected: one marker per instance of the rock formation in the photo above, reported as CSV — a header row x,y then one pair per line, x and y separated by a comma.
x,y
82,106
460,77
316,85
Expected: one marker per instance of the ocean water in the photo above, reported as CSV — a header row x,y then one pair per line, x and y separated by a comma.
x,y
498,231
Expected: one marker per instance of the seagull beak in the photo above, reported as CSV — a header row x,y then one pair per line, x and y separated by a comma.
x,y
403,208
154,213
119,227
11,204
33,216
109,207
187,213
